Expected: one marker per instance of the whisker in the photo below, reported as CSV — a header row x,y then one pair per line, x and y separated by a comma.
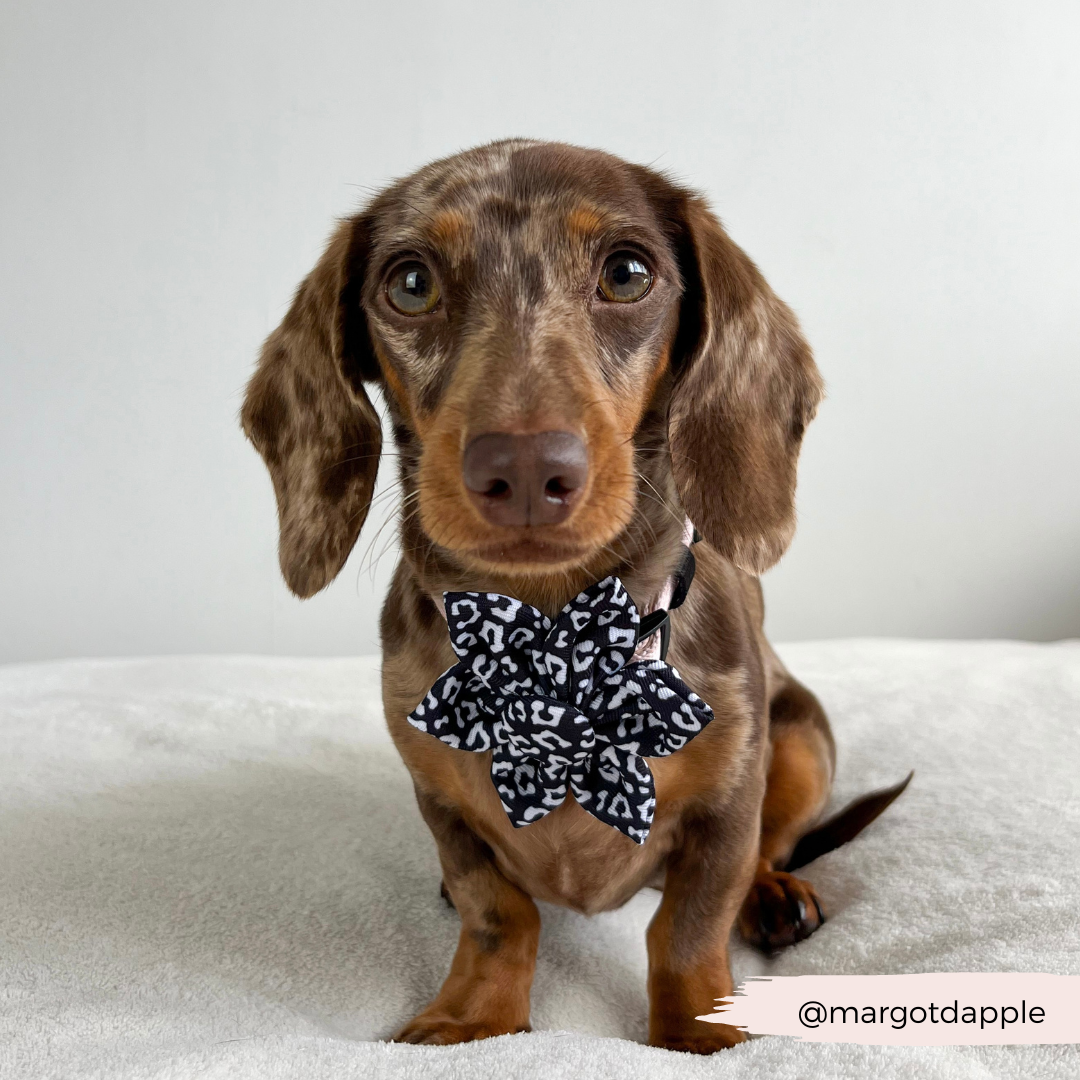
x,y
359,457
659,498
395,519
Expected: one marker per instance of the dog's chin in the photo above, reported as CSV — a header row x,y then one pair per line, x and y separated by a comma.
x,y
581,544
531,556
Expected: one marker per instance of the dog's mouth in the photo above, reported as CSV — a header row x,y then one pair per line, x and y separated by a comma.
x,y
582,541
531,553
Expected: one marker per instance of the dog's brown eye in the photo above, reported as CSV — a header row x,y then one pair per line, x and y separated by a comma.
x,y
412,289
625,278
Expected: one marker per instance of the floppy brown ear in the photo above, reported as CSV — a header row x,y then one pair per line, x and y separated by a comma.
x,y
308,415
746,386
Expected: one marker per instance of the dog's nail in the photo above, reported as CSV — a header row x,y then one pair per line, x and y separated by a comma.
x,y
769,921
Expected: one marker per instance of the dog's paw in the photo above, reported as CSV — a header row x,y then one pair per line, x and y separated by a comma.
x,y
718,1037
779,910
442,1031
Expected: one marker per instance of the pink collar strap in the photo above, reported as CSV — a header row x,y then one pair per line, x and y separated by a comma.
x,y
655,627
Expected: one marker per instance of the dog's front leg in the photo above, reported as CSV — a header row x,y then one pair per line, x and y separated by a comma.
x,y
487,990
706,880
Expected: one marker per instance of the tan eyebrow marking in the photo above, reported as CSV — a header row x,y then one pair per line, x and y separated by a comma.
x,y
451,231
584,221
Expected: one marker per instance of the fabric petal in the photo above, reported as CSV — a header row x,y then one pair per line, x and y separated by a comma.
x,y
528,788
648,709
618,790
594,634
492,624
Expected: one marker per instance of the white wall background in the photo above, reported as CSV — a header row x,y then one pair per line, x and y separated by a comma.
x,y
907,175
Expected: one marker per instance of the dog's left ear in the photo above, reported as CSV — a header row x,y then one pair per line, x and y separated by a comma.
x,y
745,388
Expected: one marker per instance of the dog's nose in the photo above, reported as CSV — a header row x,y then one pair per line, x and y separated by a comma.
x,y
525,479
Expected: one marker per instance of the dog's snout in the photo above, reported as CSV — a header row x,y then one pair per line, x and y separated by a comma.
x,y
525,479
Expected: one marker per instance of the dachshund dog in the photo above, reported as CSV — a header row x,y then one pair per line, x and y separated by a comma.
x,y
576,359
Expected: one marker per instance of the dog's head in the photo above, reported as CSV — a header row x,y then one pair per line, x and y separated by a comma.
x,y
569,345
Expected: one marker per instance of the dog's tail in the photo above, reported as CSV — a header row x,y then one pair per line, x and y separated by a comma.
x,y
845,825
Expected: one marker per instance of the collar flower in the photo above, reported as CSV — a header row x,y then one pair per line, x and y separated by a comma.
x,y
561,705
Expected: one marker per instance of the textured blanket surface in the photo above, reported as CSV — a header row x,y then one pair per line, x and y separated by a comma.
x,y
215,867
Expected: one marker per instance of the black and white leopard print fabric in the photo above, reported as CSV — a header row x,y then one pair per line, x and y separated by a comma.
x,y
560,705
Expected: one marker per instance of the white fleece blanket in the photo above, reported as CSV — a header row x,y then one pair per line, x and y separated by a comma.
x,y
215,867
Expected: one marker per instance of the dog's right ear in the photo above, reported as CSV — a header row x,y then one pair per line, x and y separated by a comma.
x,y
308,415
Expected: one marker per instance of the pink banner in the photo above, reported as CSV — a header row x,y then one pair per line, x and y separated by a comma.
x,y
950,1009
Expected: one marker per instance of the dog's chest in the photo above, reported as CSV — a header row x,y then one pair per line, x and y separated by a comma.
x,y
572,859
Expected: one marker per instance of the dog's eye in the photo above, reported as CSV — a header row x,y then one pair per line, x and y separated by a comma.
x,y
624,278
412,289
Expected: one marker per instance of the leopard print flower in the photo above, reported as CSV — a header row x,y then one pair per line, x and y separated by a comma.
x,y
561,706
